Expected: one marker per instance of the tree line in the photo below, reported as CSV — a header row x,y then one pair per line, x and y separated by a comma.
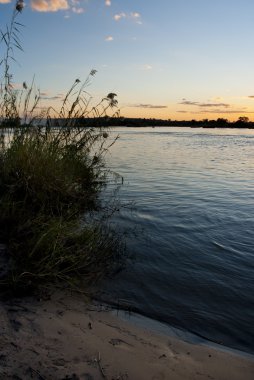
x,y
241,122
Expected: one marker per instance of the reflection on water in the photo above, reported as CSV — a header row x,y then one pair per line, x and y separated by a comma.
x,y
194,255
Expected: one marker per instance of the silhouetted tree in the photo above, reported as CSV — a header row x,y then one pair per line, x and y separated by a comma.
x,y
221,120
243,119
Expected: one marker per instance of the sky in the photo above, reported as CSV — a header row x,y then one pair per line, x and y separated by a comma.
x,y
169,59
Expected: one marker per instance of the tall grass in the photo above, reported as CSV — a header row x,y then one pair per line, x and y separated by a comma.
x,y
52,172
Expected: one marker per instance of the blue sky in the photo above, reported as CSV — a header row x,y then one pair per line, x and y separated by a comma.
x,y
178,59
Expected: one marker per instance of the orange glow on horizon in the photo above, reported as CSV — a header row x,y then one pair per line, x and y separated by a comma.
x,y
166,114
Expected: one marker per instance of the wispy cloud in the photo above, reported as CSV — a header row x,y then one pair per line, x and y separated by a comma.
x,y
108,3
49,5
251,96
5,1
146,67
141,105
119,16
199,104
109,38
218,111
214,105
77,10
136,16
74,7
217,99
46,96
188,103
51,97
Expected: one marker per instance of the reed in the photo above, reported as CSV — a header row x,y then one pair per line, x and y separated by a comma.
x,y
52,175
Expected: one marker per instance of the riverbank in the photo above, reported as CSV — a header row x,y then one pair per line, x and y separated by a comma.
x,y
65,337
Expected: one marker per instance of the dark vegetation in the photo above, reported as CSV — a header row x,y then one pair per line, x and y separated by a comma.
x,y
242,122
51,182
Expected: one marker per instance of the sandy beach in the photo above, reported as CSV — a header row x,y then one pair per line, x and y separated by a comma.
x,y
65,337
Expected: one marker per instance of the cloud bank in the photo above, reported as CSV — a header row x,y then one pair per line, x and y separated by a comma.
x,y
49,5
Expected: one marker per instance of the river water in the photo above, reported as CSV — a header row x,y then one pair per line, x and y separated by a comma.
x,y
192,253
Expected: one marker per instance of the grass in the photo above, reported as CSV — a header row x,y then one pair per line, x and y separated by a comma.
x,y
52,175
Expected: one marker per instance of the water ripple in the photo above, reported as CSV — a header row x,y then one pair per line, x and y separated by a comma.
x,y
194,253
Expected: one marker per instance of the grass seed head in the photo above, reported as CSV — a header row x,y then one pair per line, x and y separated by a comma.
x,y
19,5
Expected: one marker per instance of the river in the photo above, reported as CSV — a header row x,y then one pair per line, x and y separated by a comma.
x,y
191,261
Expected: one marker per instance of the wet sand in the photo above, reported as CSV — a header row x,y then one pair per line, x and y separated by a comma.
x,y
67,338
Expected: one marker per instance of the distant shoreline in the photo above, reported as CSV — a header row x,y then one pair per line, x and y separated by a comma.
x,y
108,122
183,126
241,123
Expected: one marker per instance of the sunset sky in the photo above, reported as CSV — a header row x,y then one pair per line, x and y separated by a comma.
x,y
178,59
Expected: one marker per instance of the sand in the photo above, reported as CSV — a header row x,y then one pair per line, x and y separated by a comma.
x,y
65,337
